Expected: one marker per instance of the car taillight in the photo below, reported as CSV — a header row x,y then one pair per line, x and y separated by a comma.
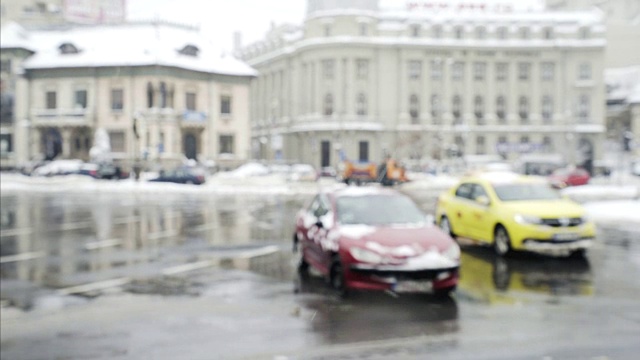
x,y
93,173
201,178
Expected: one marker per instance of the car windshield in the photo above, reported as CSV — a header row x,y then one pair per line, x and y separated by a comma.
x,y
378,210
517,192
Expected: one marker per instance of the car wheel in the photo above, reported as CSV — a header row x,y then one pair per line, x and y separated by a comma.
x,y
445,226
501,241
336,277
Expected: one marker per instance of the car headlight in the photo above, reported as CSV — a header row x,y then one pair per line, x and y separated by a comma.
x,y
366,256
527,219
453,252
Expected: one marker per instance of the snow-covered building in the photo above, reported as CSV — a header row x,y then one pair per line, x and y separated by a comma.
x,y
623,107
429,80
163,92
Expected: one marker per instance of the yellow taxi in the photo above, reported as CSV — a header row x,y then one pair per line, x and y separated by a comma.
x,y
514,212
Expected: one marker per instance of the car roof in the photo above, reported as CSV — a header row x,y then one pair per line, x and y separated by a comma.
x,y
503,177
367,190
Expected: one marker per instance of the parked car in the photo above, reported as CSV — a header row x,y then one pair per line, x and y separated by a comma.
x,y
569,176
180,176
514,212
328,171
103,171
58,167
302,172
373,238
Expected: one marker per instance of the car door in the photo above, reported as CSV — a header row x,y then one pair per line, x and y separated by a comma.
x,y
313,235
479,213
458,209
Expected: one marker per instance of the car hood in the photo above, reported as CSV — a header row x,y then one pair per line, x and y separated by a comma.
x,y
546,208
417,246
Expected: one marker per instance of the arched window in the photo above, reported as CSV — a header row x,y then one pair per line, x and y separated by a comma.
x,y
414,108
478,109
361,104
149,95
456,109
547,109
523,109
328,105
501,109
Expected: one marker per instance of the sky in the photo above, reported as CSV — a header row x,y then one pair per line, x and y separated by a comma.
x,y
221,18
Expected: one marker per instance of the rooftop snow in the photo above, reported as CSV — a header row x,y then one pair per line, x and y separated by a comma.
x,y
124,45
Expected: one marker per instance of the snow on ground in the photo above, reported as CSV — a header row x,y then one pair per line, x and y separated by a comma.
x,y
606,200
616,211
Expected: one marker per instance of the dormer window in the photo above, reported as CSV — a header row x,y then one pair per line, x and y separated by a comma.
x,y
189,50
68,48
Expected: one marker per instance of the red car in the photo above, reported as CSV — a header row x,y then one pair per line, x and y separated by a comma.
x,y
563,177
372,238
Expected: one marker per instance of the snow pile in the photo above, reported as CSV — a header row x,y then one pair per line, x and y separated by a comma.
x,y
620,211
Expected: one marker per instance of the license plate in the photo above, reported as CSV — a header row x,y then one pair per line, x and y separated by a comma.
x,y
413,286
566,237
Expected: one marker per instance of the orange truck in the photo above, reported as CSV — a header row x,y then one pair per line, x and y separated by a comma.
x,y
388,173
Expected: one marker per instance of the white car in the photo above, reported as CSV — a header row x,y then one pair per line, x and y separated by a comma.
x,y
303,172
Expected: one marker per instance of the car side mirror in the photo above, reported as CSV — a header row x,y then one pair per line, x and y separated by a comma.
x,y
483,200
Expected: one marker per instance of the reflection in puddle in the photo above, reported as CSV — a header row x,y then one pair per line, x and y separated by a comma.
x,y
485,276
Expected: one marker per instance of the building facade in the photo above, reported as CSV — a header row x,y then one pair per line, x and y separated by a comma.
x,y
422,83
161,92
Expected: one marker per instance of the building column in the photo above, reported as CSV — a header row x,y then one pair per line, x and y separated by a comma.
x,y
66,143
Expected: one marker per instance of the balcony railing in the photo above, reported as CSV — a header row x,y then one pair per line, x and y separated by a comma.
x,y
63,117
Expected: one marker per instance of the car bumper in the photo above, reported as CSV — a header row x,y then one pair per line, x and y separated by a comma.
x,y
553,247
531,237
365,277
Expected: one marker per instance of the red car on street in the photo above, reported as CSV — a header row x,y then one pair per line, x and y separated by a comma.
x,y
373,238
569,176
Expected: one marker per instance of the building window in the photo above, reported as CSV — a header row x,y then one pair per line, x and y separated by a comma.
x,y
458,32
225,104
525,33
415,30
457,72
456,109
6,144
524,144
501,109
501,33
5,66
501,71
80,99
523,109
585,33
436,70
481,32
478,109
363,151
415,69
361,104
584,72
547,109
437,32
327,30
226,144
414,109
435,107
523,71
328,69
328,105
583,108
149,95
479,71
117,99
480,145
51,100
364,29
548,33
190,100
548,70
547,144
362,68
117,140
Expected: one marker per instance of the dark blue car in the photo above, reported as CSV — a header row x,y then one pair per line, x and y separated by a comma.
x,y
180,176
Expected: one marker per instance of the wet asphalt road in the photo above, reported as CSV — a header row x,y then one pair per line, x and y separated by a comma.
x,y
104,276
